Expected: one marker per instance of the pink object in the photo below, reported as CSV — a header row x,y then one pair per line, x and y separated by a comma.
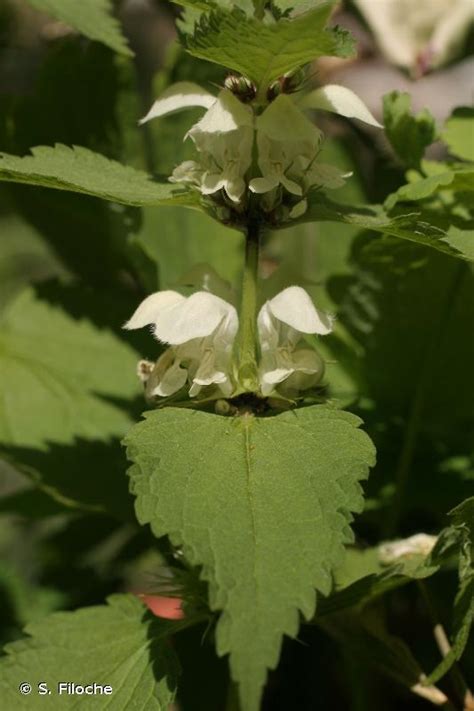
x,y
168,607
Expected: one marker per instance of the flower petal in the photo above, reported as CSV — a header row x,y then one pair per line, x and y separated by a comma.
x,y
284,121
172,381
294,307
195,317
339,100
226,114
326,175
263,185
179,96
152,307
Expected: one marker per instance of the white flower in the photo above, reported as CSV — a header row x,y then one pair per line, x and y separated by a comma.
x,y
200,330
223,137
419,544
283,134
282,323
418,35
288,143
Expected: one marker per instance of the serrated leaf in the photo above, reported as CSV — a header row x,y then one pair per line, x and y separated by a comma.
x,y
118,644
65,386
93,18
409,226
263,505
60,376
80,170
408,133
263,52
458,133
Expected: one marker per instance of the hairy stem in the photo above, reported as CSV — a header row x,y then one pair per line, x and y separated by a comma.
x,y
247,336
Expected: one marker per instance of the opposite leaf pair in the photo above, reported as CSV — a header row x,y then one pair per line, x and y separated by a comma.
x,y
201,330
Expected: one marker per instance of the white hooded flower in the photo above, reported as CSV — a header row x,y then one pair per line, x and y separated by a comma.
x,y
289,143
200,331
223,137
418,35
282,323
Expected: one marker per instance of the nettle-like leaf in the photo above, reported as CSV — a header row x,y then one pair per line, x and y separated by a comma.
x,y
66,387
92,18
263,52
409,226
59,376
263,505
80,170
462,518
408,133
458,133
119,644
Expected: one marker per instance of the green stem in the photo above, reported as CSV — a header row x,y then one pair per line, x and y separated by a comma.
x,y
463,693
247,337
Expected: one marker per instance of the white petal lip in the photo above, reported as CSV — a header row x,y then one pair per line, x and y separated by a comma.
x,y
339,100
179,96
294,307
151,308
196,317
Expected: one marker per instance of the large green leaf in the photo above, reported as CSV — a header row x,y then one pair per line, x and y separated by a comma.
x,y
263,505
119,644
92,18
263,52
60,377
409,226
82,171
66,391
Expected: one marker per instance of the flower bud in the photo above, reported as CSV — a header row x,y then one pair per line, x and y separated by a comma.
x,y
241,87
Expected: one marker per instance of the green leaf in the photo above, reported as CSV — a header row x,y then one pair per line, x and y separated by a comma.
x,y
118,644
463,520
440,176
263,505
80,170
66,388
458,133
409,226
264,52
408,133
92,18
60,376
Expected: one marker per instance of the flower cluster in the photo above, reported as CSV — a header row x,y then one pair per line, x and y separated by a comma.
x,y
287,143
200,331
